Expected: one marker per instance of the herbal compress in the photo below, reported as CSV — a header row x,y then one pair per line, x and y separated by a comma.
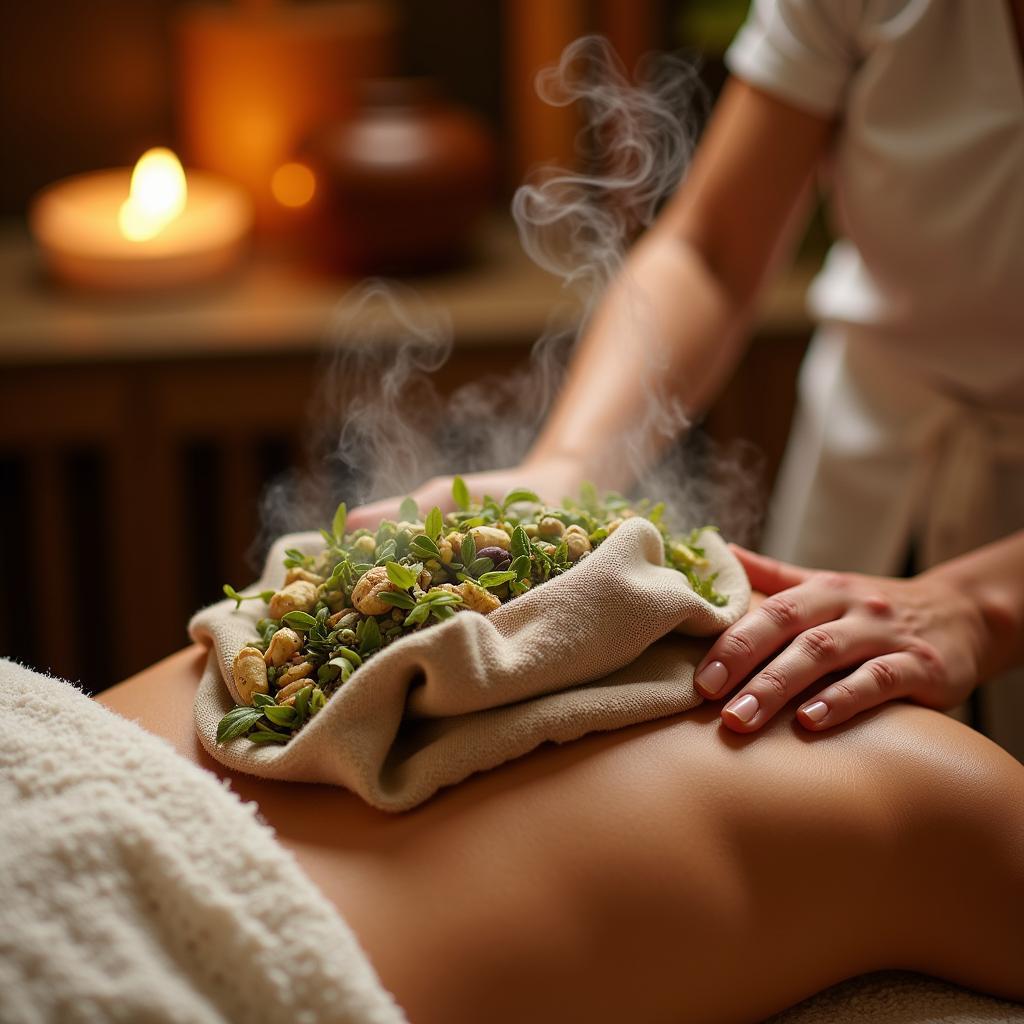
x,y
366,589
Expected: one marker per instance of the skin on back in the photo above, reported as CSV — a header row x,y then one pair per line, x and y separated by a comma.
x,y
673,871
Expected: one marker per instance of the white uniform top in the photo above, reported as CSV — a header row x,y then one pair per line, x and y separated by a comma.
x,y
926,285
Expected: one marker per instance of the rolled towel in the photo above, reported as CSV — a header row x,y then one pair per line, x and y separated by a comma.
x,y
138,888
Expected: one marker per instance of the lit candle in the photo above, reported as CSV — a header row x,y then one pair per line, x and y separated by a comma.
x,y
147,228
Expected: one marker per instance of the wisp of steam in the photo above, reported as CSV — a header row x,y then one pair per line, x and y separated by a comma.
x,y
381,419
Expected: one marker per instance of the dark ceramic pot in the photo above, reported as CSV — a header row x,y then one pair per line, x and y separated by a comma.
x,y
402,185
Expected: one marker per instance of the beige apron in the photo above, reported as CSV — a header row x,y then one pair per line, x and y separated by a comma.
x,y
885,459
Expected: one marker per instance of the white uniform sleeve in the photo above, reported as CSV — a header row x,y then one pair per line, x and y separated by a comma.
x,y
802,51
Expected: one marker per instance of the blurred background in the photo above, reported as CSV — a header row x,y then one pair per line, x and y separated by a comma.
x,y
157,352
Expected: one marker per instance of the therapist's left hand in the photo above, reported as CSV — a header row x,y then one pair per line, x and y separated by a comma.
x,y
918,638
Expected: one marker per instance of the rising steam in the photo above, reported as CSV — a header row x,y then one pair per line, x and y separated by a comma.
x,y
397,430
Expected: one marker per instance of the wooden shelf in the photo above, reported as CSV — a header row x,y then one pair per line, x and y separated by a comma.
x,y
273,305
269,305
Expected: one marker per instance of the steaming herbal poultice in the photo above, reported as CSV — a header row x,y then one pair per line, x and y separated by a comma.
x,y
367,589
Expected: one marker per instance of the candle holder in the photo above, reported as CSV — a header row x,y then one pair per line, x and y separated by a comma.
x,y
147,229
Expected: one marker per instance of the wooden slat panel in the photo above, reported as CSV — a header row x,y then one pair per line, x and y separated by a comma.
x,y
537,32
51,586
58,405
241,488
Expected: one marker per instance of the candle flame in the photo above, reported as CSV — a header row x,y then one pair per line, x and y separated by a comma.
x,y
156,196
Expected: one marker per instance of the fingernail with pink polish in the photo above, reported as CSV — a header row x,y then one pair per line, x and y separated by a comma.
x,y
816,711
712,678
744,709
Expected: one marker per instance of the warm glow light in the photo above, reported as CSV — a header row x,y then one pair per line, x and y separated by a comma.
x,y
293,184
156,196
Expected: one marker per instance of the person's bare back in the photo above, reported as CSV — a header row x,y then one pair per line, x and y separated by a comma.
x,y
674,871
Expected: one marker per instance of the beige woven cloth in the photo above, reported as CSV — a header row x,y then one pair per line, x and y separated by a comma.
x,y
601,647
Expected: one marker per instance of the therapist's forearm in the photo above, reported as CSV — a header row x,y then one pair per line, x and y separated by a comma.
x,y
672,325
993,577
660,346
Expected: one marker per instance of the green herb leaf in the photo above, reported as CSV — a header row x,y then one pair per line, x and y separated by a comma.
x,y
295,559
418,614
263,737
588,496
479,565
370,640
409,510
434,523
237,722
424,547
460,492
338,523
401,600
261,700
517,495
468,551
299,620
335,667
318,700
263,595
495,579
302,702
281,714
521,567
520,542
349,655
401,576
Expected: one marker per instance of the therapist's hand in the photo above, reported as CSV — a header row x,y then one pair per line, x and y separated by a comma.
x,y
920,639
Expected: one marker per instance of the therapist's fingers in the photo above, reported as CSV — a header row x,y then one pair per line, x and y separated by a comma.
x,y
901,674
768,574
760,633
813,655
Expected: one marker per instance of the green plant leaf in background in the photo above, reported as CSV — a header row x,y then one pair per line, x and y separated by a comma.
x,y
460,493
338,523
434,524
519,494
408,511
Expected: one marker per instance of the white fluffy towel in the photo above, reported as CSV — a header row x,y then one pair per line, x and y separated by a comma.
x,y
136,888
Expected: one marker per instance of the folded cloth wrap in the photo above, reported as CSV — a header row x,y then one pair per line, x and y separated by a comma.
x,y
137,888
601,647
